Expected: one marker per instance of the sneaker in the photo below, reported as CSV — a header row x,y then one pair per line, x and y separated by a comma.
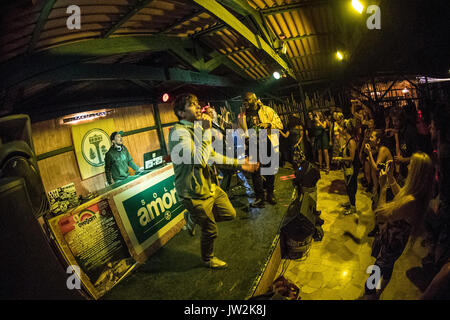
x,y
190,225
350,210
258,203
271,199
215,263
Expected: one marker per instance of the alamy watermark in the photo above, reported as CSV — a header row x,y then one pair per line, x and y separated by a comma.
x,y
73,281
74,20
209,145
373,282
374,21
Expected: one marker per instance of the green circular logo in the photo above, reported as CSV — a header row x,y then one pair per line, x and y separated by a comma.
x,y
94,146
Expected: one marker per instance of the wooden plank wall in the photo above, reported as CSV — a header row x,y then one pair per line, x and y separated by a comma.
x,y
167,116
62,169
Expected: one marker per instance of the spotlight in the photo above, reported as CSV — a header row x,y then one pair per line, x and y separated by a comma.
x,y
358,6
339,55
276,75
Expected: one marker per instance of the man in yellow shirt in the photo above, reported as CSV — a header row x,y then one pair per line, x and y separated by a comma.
x,y
257,116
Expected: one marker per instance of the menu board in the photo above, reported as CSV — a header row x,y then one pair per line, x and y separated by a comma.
x,y
90,239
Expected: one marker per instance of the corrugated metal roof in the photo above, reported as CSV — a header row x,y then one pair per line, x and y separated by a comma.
x,y
306,26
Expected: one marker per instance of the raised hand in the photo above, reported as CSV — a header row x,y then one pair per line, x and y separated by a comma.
x,y
250,167
206,121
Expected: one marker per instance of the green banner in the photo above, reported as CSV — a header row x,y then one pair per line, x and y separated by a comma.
x,y
152,209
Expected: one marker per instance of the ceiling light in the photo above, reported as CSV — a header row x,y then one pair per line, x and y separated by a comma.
x,y
357,6
276,75
339,55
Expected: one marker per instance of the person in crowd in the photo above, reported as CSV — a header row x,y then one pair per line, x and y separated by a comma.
x,y
196,176
401,220
350,164
389,131
423,120
376,149
338,127
259,116
285,148
405,142
300,147
439,256
330,133
217,126
309,127
321,140
118,159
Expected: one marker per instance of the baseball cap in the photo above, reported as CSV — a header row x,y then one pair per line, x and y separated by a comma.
x,y
113,135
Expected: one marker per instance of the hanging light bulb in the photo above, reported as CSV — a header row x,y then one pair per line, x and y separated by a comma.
x,y
358,6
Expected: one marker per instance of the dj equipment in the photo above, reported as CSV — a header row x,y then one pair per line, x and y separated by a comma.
x,y
306,174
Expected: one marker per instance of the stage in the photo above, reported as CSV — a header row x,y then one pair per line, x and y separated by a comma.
x,y
248,244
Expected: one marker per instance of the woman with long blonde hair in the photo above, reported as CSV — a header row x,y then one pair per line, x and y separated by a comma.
x,y
401,220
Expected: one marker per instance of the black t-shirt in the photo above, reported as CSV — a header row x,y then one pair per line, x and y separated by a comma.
x,y
407,139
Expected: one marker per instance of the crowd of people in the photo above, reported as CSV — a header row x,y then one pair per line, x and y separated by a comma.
x,y
402,161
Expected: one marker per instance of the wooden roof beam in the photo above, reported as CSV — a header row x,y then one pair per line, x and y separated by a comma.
x,y
182,20
293,6
223,14
243,8
138,6
45,12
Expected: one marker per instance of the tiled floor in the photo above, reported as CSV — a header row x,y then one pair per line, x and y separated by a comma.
x,y
335,268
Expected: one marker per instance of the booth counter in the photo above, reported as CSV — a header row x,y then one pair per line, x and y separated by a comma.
x,y
120,228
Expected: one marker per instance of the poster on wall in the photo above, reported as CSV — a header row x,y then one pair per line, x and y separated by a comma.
x,y
149,210
90,239
91,142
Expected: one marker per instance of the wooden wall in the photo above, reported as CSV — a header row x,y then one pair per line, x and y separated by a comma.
x,y
167,116
62,169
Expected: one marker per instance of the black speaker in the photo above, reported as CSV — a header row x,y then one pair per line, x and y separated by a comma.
x,y
306,174
17,159
29,268
298,227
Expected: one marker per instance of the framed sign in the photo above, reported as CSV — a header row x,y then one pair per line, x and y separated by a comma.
x,y
149,210
89,238
91,141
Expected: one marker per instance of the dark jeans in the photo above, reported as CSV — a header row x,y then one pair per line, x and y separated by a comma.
x,y
259,185
266,182
351,184
226,181
206,213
